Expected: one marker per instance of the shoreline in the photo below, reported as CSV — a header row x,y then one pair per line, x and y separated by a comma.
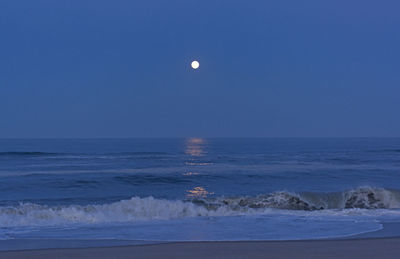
x,y
389,230
384,243
343,248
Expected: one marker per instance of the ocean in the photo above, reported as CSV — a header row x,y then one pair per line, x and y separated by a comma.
x,y
197,189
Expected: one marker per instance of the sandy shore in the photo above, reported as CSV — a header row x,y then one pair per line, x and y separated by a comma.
x,y
353,248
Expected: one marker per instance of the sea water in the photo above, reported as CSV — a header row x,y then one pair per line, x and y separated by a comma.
x,y
197,189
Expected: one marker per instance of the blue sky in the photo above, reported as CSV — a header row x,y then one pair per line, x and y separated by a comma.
x,y
267,68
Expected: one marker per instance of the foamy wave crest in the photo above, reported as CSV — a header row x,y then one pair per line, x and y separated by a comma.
x,y
372,198
360,198
28,214
123,211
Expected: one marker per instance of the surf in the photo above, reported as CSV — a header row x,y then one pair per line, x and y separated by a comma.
x,y
150,208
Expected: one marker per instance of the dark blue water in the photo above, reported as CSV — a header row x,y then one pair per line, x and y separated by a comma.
x,y
143,189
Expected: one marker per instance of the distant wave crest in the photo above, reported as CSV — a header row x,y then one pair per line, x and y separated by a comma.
x,y
80,155
149,208
29,153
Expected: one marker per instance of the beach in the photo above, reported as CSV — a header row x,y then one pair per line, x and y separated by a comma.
x,y
199,129
243,198
354,248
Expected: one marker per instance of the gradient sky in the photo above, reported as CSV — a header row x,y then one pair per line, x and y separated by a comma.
x,y
267,68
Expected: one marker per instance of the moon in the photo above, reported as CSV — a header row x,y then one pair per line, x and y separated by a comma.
x,y
195,64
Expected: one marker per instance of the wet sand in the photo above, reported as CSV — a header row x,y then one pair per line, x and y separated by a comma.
x,y
350,248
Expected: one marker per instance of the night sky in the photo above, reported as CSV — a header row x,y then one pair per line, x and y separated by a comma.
x,y
267,68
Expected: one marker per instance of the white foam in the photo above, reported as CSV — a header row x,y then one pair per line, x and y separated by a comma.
x,y
360,202
123,211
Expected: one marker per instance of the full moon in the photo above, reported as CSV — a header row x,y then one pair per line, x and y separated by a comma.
x,y
195,64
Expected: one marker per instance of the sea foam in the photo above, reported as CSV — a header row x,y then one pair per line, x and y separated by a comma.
x,y
149,208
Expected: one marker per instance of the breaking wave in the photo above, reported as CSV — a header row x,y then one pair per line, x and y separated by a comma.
x,y
149,208
360,198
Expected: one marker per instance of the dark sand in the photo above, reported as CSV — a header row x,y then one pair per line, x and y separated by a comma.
x,y
350,248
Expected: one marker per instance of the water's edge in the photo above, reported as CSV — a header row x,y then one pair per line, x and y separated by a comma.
x,y
389,230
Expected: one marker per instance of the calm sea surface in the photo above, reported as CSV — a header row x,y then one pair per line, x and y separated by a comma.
x,y
197,189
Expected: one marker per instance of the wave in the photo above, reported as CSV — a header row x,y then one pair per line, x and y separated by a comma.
x,y
150,179
385,151
123,211
28,153
149,208
138,153
83,155
360,198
